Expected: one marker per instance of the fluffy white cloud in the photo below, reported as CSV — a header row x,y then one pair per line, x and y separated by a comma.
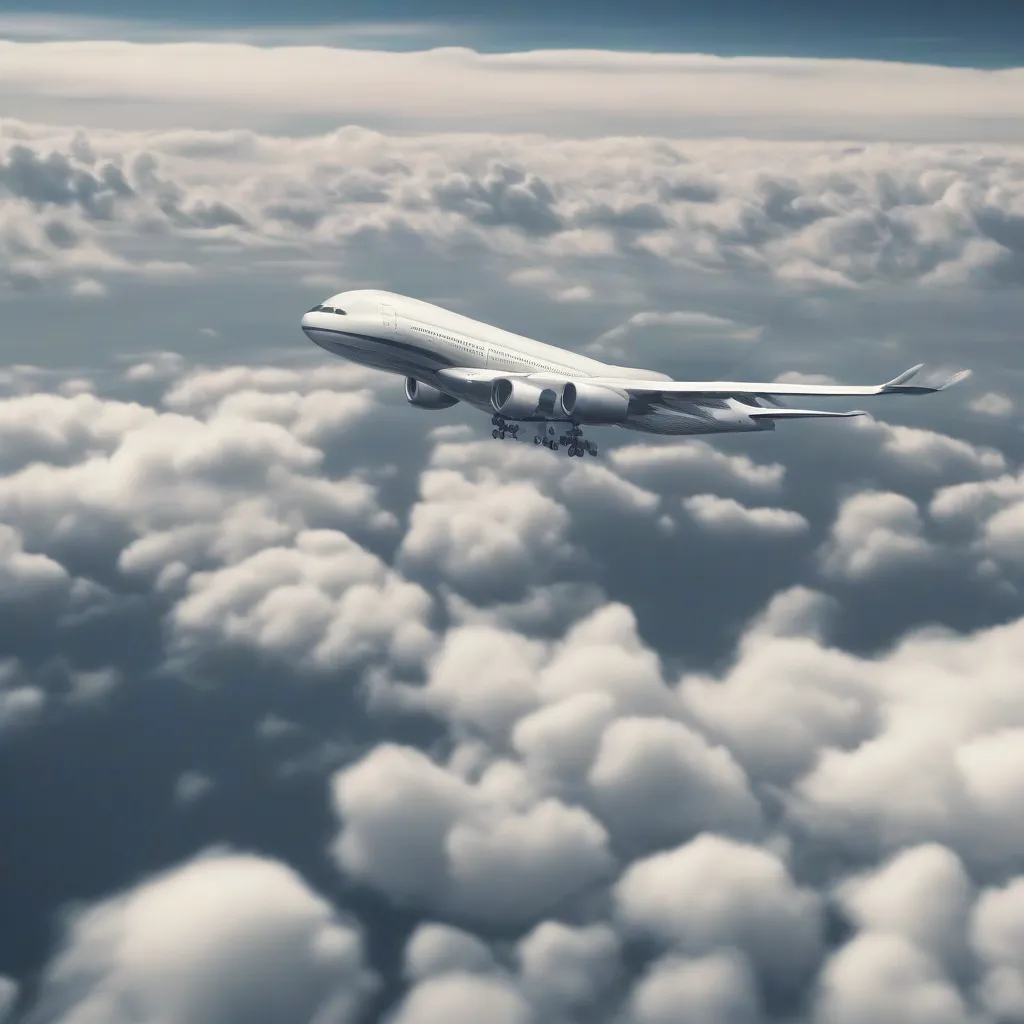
x,y
992,403
991,515
439,948
323,602
728,517
997,939
923,894
881,975
490,534
460,996
84,210
657,781
221,938
940,765
566,966
715,892
696,464
490,850
875,533
711,989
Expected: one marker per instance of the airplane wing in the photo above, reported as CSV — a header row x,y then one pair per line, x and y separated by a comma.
x,y
730,388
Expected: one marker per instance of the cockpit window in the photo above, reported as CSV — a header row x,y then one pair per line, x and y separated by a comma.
x,y
327,309
315,309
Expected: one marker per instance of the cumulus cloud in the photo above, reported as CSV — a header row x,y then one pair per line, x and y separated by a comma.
x,y
727,516
440,949
874,533
706,990
83,211
221,937
992,403
988,514
457,996
490,850
569,967
884,975
714,892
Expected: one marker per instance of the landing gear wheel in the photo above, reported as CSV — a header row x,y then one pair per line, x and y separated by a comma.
x,y
537,439
494,433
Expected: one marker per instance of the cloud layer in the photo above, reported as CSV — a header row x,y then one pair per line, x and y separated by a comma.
x,y
574,91
413,725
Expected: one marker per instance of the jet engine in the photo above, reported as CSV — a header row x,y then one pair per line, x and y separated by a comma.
x,y
423,396
516,399
592,403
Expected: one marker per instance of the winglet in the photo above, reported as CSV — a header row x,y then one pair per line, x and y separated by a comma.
x,y
899,386
904,376
955,379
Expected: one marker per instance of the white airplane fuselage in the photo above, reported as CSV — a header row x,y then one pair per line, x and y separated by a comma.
x,y
426,344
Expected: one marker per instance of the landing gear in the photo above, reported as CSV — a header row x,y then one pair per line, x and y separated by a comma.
x,y
575,444
503,427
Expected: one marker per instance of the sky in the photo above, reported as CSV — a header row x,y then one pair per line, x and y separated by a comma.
x,y
315,707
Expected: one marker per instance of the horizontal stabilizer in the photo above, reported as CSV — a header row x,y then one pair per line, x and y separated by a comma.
x,y
801,414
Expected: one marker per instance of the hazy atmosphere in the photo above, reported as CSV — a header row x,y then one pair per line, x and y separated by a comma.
x,y
317,708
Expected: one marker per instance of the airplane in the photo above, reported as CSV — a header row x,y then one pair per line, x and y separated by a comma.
x,y
447,358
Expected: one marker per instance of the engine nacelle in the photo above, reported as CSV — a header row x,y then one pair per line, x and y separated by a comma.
x,y
423,396
592,403
516,399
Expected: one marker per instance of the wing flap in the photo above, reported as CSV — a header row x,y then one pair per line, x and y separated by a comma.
x,y
801,414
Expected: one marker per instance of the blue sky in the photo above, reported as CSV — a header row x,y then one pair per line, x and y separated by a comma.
x,y
987,33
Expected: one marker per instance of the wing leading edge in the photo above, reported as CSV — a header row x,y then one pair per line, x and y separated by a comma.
x,y
727,388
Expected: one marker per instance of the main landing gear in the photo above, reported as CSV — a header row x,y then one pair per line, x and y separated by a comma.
x,y
503,427
572,440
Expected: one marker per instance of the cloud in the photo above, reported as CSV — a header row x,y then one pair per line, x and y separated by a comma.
x,y
992,403
875,532
440,949
693,328
488,851
884,974
192,786
727,516
578,91
714,892
220,937
460,996
706,990
923,894
83,210
584,753
995,937
8,997
569,967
